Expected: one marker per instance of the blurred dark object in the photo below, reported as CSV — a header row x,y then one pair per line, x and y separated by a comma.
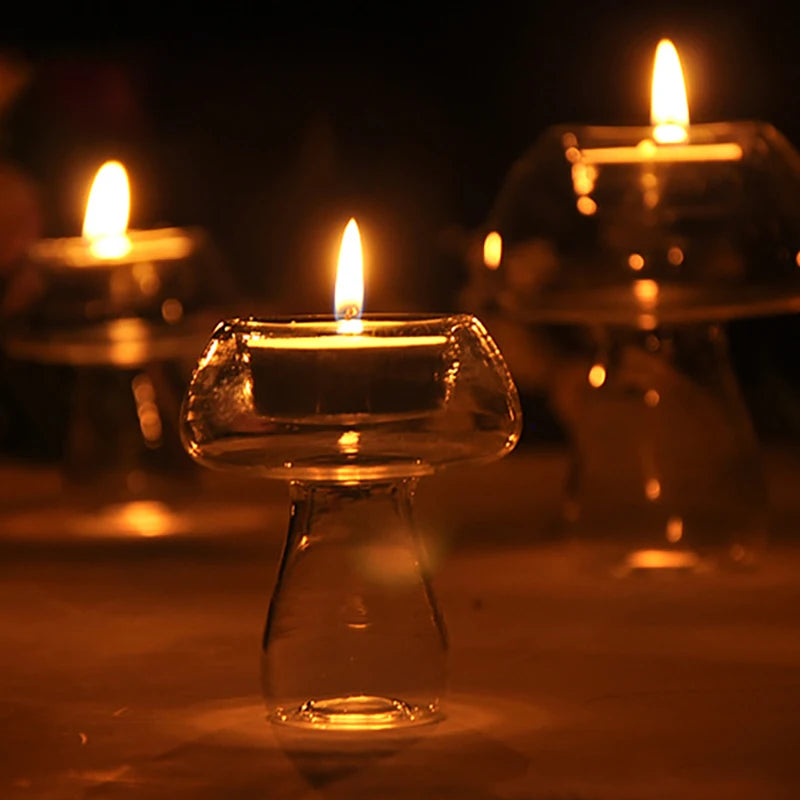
x,y
20,219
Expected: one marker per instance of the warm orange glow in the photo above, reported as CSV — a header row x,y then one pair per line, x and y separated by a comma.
x,y
586,206
348,442
635,261
652,489
172,310
646,292
146,409
492,249
584,177
646,322
146,518
597,375
675,256
674,529
738,553
646,150
107,212
797,258
662,559
669,109
669,116
652,398
349,292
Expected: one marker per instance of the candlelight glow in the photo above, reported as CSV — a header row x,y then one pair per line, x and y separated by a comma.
x,y
349,292
144,394
663,559
492,250
646,292
669,109
597,376
146,518
674,529
635,261
652,489
107,212
652,398
646,151
675,256
348,442
586,206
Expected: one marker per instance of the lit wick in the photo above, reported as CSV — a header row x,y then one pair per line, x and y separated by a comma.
x,y
350,312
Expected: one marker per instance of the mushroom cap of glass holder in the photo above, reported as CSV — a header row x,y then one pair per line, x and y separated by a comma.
x,y
311,399
601,225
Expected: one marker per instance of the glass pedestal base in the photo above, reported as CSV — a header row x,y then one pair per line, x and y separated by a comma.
x,y
357,713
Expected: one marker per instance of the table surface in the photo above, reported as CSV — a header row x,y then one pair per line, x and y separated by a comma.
x,y
129,668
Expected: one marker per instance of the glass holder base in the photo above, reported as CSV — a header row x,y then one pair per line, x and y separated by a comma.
x,y
357,713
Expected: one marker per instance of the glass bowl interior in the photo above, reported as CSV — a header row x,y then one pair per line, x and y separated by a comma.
x,y
313,399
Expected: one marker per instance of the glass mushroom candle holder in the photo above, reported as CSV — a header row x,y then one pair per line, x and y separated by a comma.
x,y
624,249
111,272
352,413
120,313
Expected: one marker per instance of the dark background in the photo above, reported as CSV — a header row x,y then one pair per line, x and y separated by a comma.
x,y
271,125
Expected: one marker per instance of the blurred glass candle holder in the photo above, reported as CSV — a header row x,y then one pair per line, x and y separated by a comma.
x,y
351,412
623,249
122,314
110,272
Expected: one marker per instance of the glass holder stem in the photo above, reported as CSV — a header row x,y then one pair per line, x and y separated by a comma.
x,y
354,639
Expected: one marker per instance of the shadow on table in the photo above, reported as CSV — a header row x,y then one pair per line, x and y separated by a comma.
x,y
462,764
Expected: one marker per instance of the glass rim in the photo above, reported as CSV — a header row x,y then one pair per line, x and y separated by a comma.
x,y
328,322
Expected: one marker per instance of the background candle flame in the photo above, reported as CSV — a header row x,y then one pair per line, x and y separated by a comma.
x,y
349,293
669,109
107,212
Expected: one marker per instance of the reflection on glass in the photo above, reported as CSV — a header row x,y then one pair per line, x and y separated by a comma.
x,y
665,457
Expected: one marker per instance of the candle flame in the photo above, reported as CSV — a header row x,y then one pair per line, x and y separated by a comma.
x,y
669,109
349,293
107,212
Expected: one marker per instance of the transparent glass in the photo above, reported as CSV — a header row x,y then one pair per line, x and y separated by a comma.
x,y
116,339
600,225
666,470
354,615
352,418
620,259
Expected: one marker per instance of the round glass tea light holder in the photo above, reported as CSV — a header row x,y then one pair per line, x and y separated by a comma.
x,y
591,216
157,277
110,272
351,417
623,249
122,314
